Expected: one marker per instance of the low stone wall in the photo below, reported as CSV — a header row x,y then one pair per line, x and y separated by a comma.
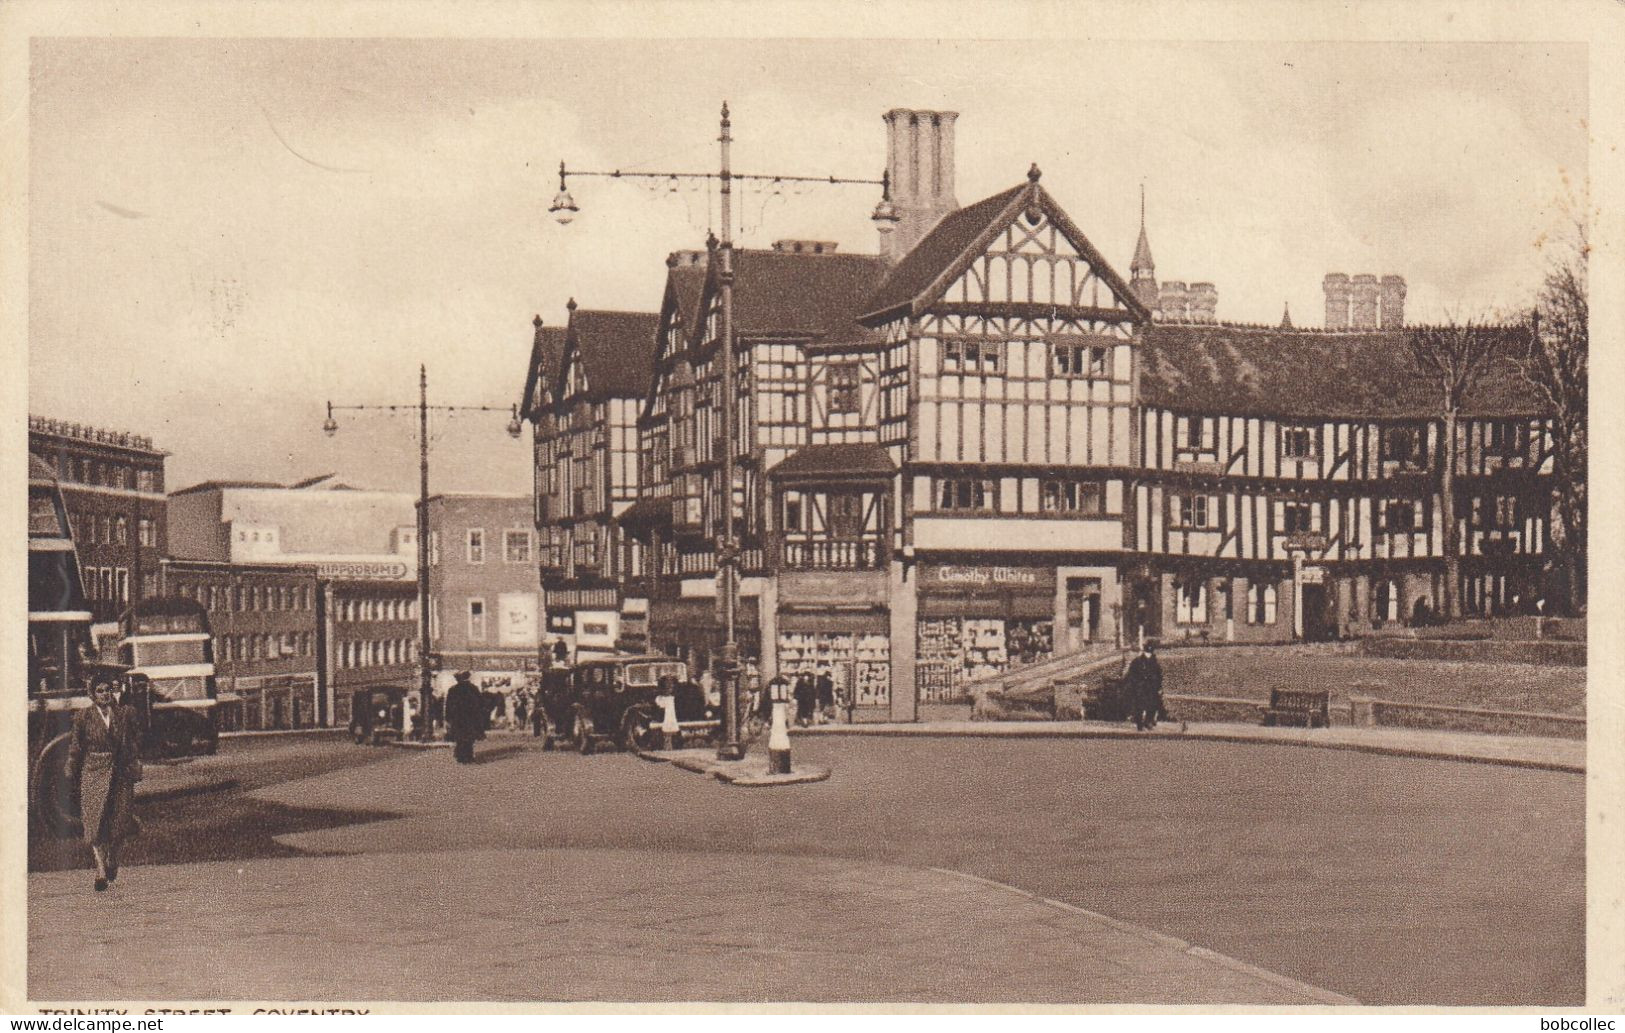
x,y
1565,654
1374,713
1232,710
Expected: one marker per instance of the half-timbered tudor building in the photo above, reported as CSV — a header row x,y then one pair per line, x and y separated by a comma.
x,y
1291,484
587,469
984,446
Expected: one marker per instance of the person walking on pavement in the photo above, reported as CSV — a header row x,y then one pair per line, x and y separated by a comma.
x,y
465,716
806,697
104,764
824,689
1144,687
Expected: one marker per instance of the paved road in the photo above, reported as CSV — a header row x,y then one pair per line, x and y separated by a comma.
x,y
1394,880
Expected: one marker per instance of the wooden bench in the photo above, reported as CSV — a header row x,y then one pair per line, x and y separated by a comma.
x,y
1309,708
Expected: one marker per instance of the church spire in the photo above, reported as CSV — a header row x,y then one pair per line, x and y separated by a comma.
x,y
1286,316
1143,271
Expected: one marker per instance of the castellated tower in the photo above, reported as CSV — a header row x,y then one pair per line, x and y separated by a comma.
x,y
1336,286
920,161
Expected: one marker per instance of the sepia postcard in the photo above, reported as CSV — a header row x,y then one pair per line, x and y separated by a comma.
x,y
819,508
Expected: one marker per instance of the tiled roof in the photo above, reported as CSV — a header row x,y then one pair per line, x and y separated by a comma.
x,y
955,239
546,352
853,460
1252,370
802,292
936,251
616,350
687,283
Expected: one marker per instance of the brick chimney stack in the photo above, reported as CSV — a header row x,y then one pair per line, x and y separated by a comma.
x,y
1172,300
1393,302
1337,301
920,159
1363,311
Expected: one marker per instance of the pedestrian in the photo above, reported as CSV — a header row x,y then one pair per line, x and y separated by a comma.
x,y
708,685
104,764
824,689
561,652
1144,687
806,697
465,716
437,714
521,708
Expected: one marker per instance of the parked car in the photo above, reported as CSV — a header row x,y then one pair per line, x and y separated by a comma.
x,y
613,700
377,715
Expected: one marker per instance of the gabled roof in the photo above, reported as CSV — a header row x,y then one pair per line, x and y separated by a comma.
x,y
615,349
961,236
546,353
685,284
799,292
1269,371
839,460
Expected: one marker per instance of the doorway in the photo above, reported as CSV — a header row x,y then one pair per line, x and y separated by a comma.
x,y
1318,622
1082,610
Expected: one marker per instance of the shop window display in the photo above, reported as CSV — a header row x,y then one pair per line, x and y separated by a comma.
x,y
953,651
859,664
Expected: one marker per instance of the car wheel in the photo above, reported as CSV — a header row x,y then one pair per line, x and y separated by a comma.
x,y
51,790
584,732
637,732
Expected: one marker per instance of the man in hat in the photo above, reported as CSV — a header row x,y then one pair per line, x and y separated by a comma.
x,y
1144,687
465,716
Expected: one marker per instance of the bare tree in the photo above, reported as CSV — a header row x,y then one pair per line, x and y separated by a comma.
x,y
1556,362
1452,358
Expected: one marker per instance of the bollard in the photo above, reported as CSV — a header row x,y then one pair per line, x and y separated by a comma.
x,y
669,729
778,742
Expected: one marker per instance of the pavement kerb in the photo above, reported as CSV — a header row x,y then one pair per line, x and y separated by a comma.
x,y
1043,730
744,779
1316,993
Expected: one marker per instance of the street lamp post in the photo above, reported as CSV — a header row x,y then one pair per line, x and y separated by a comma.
x,y
564,209
331,427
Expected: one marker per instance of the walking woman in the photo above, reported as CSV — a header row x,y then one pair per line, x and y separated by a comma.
x,y
104,764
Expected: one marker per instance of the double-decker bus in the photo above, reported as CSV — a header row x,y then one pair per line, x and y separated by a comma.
x,y
168,640
60,651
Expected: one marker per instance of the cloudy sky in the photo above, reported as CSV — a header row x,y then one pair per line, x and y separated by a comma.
x,y
225,234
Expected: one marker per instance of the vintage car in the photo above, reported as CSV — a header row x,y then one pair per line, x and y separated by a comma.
x,y
377,715
614,700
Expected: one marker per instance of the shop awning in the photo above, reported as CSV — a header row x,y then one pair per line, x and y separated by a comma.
x,y
865,461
